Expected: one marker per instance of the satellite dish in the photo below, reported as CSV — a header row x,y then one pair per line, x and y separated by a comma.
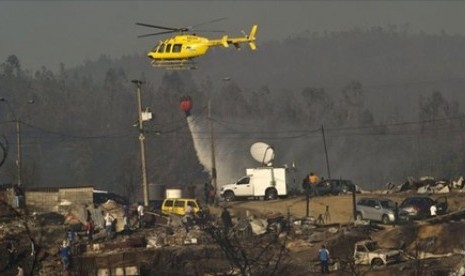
x,y
262,153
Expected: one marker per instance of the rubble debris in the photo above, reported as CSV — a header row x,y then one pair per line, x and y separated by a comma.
x,y
259,226
243,228
317,236
458,184
429,238
426,185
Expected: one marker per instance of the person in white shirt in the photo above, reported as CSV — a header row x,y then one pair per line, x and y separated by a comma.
x,y
20,271
188,216
433,210
140,214
108,224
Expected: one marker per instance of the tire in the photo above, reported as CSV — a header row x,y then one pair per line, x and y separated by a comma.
x,y
359,216
377,262
385,219
271,194
229,196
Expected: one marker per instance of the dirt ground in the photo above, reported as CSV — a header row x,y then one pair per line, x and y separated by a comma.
x,y
340,207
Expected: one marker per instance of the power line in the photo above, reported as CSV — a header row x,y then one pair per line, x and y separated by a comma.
x,y
233,133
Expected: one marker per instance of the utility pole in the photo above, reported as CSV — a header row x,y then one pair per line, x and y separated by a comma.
x,y
214,181
18,150
145,187
326,151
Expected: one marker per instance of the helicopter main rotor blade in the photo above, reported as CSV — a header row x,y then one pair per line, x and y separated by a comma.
x,y
208,22
158,27
159,33
209,31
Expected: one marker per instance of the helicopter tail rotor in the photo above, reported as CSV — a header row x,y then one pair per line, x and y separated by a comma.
x,y
224,41
251,37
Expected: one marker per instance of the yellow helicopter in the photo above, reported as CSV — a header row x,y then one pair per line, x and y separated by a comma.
x,y
179,51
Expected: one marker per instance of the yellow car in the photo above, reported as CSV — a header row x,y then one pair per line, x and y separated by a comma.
x,y
178,206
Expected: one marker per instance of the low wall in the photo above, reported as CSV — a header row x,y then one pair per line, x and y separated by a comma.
x,y
55,199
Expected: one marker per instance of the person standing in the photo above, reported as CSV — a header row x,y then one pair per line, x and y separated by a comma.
x,y
212,195
206,192
126,219
140,214
323,256
108,225
227,221
33,247
90,230
306,184
313,179
71,236
65,255
34,250
20,271
11,250
433,210
188,216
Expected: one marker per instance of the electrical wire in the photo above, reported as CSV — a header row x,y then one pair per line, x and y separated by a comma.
x,y
230,132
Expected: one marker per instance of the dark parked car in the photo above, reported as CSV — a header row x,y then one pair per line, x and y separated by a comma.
x,y
418,207
334,187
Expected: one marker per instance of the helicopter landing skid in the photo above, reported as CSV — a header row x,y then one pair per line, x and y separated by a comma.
x,y
185,64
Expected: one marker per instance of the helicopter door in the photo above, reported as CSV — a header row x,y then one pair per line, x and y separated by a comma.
x,y
168,48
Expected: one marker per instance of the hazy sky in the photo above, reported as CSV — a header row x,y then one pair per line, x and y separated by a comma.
x,y
45,33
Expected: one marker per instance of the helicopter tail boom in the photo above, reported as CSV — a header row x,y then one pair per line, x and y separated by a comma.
x,y
225,41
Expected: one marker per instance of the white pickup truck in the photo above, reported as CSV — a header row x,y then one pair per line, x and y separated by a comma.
x,y
266,182
367,252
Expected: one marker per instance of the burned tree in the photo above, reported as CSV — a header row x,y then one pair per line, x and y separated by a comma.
x,y
258,255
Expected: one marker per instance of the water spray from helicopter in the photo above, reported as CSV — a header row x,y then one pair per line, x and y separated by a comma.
x,y
230,159
200,145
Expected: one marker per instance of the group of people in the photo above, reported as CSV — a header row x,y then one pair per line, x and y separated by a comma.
x,y
65,251
109,221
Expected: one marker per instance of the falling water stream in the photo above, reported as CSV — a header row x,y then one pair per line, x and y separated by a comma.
x,y
201,141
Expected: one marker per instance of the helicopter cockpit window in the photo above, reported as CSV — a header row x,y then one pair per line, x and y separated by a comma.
x,y
177,48
161,48
168,48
